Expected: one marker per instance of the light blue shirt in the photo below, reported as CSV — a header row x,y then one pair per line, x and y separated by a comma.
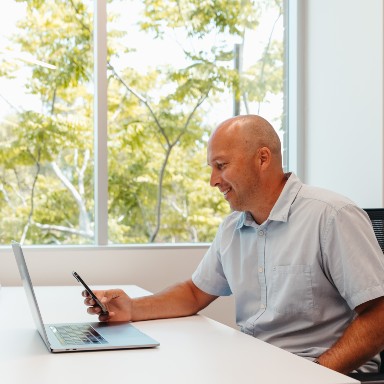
x,y
298,276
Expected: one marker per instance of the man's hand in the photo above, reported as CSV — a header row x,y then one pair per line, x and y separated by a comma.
x,y
118,303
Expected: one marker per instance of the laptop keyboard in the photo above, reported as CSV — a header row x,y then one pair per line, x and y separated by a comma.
x,y
78,334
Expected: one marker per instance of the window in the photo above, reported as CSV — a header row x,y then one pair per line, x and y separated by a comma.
x,y
46,126
174,70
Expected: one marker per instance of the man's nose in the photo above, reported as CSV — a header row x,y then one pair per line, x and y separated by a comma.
x,y
215,180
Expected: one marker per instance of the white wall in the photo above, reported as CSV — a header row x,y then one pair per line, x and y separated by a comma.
x,y
152,268
343,98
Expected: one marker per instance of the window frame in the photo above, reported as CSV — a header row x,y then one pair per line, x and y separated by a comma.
x,y
100,123
294,11
295,85
293,14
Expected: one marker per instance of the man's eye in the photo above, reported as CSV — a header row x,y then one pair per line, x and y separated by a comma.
x,y
220,165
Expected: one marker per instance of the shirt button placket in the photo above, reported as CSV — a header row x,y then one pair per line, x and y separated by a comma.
x,y
262,279
260,254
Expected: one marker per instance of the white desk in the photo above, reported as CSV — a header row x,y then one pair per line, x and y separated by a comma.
x,y
192,350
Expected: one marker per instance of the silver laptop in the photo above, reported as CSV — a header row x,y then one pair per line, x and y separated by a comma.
x,y
74,337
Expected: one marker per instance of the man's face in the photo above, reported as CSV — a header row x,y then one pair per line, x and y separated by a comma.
x,y
234,171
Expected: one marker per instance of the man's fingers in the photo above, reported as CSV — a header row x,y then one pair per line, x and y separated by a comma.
x,y
94,310
106,317
89,301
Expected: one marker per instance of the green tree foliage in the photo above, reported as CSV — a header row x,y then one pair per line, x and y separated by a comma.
x,y
46,156
157,128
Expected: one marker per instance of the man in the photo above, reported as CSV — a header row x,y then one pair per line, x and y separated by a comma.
x,y
303,263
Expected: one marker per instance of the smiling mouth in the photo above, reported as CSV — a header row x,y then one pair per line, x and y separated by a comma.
x,y
226,192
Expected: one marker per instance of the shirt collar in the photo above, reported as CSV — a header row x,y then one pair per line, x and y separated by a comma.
x,y
280,210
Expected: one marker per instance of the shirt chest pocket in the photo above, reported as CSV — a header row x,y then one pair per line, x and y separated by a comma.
x,y
291,289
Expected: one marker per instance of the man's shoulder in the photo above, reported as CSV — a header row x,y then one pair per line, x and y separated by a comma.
x,y
324,197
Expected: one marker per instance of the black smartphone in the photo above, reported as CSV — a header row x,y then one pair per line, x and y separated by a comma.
x,y
104,310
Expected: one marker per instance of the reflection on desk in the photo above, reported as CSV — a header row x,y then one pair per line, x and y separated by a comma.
x,y
193,350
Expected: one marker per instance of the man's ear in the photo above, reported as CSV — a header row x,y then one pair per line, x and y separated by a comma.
x,y
264,156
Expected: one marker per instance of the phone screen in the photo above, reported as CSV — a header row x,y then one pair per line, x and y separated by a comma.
x,y
104,310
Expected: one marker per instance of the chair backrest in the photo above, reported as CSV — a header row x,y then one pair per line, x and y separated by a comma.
x,y
377,218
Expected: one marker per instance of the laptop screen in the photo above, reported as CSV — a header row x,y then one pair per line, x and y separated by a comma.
x,y
27,283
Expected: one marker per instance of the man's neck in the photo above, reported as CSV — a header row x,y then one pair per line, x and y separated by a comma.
x,y
272,193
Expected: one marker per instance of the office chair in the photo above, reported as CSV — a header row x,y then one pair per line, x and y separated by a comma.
x,y
377,218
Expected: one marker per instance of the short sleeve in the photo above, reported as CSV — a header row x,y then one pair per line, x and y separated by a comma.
x,y
352,256
209,275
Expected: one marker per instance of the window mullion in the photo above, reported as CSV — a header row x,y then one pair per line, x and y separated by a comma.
x,y
100,122
296,87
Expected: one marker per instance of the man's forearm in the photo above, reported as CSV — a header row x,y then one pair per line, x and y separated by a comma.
x,y
363,339
177,301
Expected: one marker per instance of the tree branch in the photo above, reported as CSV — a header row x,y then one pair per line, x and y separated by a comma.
x,y
27,225
164,165
83,215
60,228
142,99
266,53
168,149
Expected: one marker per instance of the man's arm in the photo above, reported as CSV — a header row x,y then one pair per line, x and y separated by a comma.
x,y
183,299
362,339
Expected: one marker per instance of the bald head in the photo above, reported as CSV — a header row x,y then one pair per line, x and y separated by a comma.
x,y
250,132
244,153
